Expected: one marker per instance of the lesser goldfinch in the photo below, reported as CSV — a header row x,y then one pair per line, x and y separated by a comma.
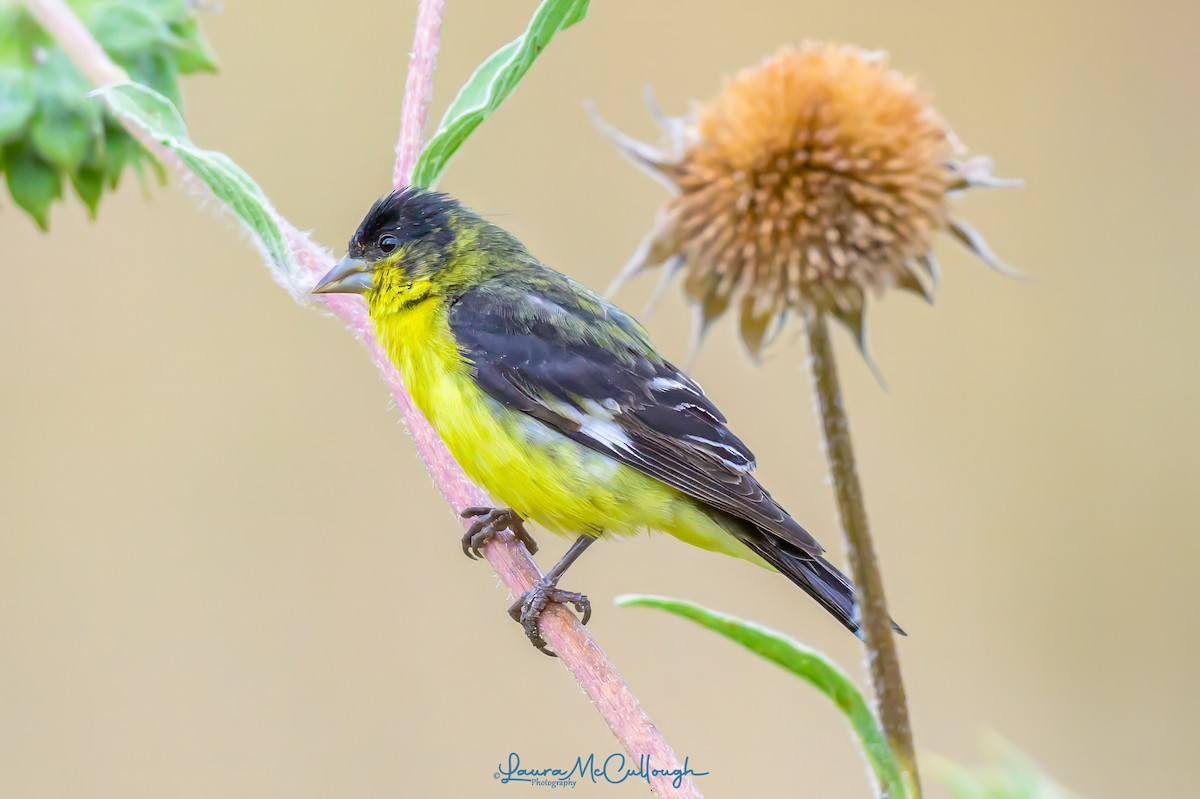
x,y
557,403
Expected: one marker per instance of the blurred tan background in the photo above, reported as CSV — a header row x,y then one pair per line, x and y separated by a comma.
x,y
223,572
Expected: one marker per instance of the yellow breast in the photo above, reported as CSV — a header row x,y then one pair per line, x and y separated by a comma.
x,y
523,464
544,476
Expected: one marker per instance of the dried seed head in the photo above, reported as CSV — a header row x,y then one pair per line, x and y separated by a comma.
x,y
810,181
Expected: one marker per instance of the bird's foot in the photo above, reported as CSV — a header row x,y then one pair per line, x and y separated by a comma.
x,y
529,607
489,523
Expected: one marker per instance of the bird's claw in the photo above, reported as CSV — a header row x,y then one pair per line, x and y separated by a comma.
x,y
489,523
530,606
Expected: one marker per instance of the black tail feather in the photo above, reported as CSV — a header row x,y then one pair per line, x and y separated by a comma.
x,y
819,578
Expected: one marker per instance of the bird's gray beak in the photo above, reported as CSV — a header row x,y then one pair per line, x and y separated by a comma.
x,y
348,276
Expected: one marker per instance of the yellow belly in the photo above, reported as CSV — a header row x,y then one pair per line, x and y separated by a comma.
x,y
525,465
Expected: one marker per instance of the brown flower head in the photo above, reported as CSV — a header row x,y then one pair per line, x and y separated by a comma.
x,y
811,180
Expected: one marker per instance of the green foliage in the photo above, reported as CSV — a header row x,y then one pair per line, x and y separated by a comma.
x,y
33,182
51,130
491,84
17,102
806,663
1009,775
154,113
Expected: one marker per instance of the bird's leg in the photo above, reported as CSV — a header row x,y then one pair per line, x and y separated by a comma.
x,y
529,607
489,524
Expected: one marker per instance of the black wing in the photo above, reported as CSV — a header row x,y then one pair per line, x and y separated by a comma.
x,y
564,356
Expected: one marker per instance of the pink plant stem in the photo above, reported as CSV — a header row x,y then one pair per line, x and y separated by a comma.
x,y
575,646
418,89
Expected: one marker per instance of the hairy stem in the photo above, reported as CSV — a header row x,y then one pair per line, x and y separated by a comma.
x,y
577,650
884,661
418,89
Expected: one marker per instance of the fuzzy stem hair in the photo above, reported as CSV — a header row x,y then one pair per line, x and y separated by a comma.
x,y
418,89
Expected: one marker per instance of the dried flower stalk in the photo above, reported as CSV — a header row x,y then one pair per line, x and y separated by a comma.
x,y
810,182
883,660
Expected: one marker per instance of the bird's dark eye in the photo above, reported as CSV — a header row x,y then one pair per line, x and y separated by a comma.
x,y
388,243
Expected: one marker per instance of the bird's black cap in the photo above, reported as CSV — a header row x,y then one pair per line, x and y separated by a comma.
x,y
408,214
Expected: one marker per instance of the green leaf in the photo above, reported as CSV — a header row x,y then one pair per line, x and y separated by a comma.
x,y
125,28
192,51
156,71
55,75
119,150
88,181
67,122
1010,774
64,128
154,114
33,182
17,101
44,102
802,661
19,34
493,81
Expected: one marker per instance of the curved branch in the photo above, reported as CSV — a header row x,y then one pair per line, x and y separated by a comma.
x,y
576,648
